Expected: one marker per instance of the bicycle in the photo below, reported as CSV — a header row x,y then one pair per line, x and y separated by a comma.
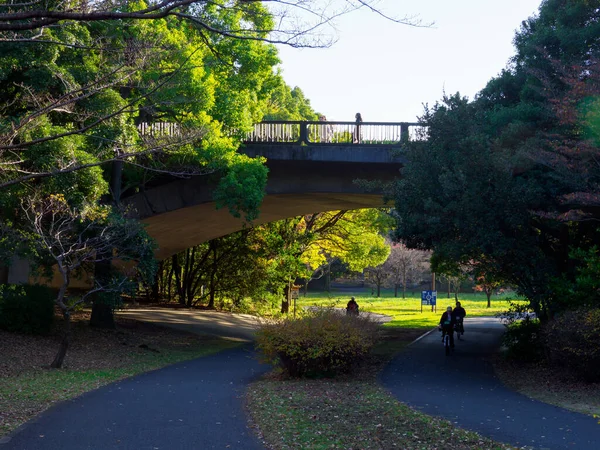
x,y
446,341
458,327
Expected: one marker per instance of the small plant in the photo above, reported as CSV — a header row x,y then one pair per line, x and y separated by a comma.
x,y
322,343
26,309
523,339
572,341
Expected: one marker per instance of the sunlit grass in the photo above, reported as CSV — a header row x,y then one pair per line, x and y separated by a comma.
x,y
407,312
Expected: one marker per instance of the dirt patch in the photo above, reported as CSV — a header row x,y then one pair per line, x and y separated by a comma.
x,y
556,386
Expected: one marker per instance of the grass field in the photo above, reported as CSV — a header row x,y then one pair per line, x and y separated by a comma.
x,y
407,312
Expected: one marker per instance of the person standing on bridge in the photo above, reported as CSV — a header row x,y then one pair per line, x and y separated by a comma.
x,y
326,130
357,138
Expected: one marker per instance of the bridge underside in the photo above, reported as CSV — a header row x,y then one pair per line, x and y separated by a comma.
x,y
181,214
178,230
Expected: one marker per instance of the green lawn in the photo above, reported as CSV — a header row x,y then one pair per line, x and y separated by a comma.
x,y
407,312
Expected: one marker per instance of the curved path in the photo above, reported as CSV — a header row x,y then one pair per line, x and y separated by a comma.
x,y
188,406
463,389
234,326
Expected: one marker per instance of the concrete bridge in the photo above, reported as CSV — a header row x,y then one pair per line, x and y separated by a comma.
x,y
313,167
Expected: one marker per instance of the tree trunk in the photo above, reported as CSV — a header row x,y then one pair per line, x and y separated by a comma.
x,y
102,314
213,273
64,343
395,289
489,296
378,290
285,303
404,291
328,278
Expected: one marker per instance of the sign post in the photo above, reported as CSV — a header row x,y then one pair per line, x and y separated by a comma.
x,y
429,298
295,295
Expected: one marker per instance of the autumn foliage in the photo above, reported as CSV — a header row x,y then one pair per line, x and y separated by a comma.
x,y
323,343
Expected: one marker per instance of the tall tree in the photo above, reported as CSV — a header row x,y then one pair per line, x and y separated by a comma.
x,y
405,266
495,176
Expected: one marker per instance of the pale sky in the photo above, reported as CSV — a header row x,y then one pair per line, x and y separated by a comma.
x,y
387,71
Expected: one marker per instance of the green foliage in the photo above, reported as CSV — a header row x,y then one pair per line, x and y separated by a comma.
x,y
507,182
323,343
572,341
584,288
241,189
523,340
26,308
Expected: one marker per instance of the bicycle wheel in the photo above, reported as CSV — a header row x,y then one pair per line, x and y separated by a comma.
x,y
447,344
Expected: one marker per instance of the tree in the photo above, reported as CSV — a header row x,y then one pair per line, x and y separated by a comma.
x,y
513,174
488,285
377,277
74,239
405,266
270,257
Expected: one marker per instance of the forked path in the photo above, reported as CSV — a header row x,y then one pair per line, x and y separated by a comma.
x,y
462,388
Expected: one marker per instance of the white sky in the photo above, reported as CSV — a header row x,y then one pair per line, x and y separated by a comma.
x,y
387,71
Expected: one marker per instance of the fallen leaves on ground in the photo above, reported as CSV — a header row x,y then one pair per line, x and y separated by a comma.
x,y
553,385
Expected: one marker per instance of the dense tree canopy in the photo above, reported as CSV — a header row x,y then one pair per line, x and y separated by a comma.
x,y
507,183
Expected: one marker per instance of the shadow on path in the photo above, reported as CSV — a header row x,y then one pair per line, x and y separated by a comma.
x,y
463,389
236,326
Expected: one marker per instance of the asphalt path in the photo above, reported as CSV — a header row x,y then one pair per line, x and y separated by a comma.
x,y
233,326
193,405
463,389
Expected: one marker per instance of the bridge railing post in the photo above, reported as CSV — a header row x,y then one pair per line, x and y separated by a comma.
x,y
304,132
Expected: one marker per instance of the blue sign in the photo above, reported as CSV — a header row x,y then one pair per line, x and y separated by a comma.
x,y
429,298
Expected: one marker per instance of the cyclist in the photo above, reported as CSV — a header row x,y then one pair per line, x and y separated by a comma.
x,y
459,314
352,307
446,325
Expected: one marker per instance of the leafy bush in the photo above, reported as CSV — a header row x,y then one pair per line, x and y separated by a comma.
x,y
324,342
26,308
572,340
523,340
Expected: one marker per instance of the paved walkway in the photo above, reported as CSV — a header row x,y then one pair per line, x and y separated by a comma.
x,y
235,326
463,389
193,405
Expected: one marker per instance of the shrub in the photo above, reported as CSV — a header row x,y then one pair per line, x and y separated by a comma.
x,y
26,308
324,342
523,340
572,340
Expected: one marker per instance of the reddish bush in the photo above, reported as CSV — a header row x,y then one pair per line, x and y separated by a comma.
x,y
324,342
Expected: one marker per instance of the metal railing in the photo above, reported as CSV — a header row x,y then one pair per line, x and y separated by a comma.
x,y
304,132
159,129
347,133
